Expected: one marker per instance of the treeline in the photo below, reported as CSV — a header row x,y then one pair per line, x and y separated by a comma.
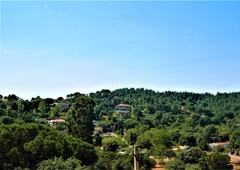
x,y
156,122
222,104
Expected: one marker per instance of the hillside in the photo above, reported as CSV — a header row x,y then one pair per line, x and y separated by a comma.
x,y
157,122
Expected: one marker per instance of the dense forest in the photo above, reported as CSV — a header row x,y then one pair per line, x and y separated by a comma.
x,y
157,122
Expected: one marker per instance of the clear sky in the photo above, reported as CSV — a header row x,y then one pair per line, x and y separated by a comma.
x,y
51,48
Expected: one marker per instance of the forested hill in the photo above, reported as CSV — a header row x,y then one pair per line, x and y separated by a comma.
x,y
217,107
47,132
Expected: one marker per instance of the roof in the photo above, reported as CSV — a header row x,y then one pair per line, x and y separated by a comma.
x,y
123,105
108,134
98,128
219,143
180,147
57,120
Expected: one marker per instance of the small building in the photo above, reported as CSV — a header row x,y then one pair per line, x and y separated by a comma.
x,y
223,145
55,121
108,135
182,148
123,109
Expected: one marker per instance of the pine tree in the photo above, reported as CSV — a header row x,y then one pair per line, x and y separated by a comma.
x,y
83,116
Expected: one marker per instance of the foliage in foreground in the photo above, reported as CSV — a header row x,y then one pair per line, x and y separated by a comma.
x,y
28,144
59,163
198,160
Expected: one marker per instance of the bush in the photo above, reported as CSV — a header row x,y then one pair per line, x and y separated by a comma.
x,y
175,164
111,146
119,140
218,161
60,163
192,155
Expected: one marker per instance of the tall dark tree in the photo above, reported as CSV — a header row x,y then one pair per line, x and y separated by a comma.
x,y
83,116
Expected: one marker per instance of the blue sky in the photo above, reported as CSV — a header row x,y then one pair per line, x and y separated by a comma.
x,y
51,48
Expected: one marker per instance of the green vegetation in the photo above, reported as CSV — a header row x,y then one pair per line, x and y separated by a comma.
x,y
122,143
28,144
82,117
155,121
60,163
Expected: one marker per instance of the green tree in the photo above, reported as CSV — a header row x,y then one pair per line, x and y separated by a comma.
x,y
144,142
137,113
192,167
145,162
6,120
123,163
97,140
203,145
235,140
210,134
192,155
42,109
55,111
28,144
154,137
131,136
218,161
60,164
105,124
2,112
175,164
188,139
20,106
83,116
14,156
111,146
130,123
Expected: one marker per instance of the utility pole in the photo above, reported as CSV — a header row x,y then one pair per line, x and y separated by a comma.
x,y
136,163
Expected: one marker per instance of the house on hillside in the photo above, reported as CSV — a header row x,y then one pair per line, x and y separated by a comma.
x,y
55,121
181,148
223,145
123,109
108,135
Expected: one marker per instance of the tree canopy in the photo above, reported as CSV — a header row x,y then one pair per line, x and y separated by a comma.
x,y
157,121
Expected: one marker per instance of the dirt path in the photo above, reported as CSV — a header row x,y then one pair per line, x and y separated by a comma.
x,y
158,166
235,159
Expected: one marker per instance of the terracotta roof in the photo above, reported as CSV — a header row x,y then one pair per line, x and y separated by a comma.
x,y
56,120
219,143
